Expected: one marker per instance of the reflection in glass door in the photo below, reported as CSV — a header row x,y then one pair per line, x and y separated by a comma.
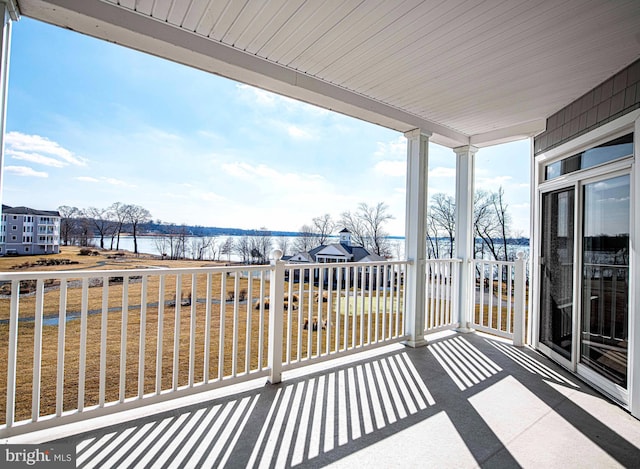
x,y
605,278
556,271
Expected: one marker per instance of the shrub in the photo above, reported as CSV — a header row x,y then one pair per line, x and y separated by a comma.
x,y
85,251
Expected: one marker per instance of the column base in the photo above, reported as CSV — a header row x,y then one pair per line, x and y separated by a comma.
x,y
415,343
464,330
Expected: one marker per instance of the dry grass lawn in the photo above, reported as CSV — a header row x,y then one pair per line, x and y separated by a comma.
x,y
239,318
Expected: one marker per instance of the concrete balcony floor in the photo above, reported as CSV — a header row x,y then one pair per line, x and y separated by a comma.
x,y
466,400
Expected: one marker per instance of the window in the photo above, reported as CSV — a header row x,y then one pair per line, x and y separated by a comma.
x,y
615,149
14,227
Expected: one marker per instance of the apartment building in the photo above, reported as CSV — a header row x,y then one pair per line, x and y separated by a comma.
x,y
26,231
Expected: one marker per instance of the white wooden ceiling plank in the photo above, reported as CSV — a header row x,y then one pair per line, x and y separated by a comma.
x,y
210,16
391,40
161,9
416,37
450,66
317,27
248,27
248,18
178,11
391,63
130,4
144,6
437,51
543,53
227,19
345,35
384,21
194,14
271,27
304,28
293,30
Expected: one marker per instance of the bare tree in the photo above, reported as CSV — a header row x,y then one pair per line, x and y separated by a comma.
x,y
306,239
283,244
263,242
200,245
367,227
323,227
441,217
491,224
353,223
119,212
242,247
227,247
135,216
69,224
173,244
101,219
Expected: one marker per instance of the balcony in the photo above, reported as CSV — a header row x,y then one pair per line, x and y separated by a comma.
x,y
179,358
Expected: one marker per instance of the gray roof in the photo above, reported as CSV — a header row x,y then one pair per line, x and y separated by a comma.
x,y
29,211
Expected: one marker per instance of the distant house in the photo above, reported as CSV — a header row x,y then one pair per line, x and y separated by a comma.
x,y
343,251
25,231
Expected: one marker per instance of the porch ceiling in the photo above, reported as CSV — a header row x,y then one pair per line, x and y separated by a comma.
x,y
470,71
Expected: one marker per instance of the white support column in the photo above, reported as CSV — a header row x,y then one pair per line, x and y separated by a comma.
x,y
9,14
464,240
416,234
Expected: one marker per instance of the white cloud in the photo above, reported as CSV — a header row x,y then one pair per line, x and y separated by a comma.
x,y
107,180
36,146
263,174
25,171
492,183
117,182
212,197
300,134
442,172
393,150
35,158
391,168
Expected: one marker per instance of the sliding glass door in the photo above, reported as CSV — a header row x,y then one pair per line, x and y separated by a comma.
x,y
584,278
556,271
605,278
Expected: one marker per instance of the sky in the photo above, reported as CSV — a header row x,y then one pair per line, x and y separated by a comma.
x,y
90,123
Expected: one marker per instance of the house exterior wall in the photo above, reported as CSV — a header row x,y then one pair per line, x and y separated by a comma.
x,y
612,99
605,113
29,234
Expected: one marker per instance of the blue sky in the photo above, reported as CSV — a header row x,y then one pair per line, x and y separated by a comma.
x,y
90,123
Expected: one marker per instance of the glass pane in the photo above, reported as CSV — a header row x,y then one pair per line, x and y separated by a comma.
x,y
619,148
556,293
605,278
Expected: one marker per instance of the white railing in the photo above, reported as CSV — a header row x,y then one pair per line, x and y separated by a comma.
x,y
341,308
499,290
442,292
86,343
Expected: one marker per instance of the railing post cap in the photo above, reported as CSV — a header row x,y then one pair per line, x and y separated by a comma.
x,y
520,255
276,255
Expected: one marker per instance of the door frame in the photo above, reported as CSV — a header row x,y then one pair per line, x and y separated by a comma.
x,y
629,397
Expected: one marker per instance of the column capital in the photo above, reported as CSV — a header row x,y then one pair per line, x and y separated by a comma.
x,y
465,149
415,133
